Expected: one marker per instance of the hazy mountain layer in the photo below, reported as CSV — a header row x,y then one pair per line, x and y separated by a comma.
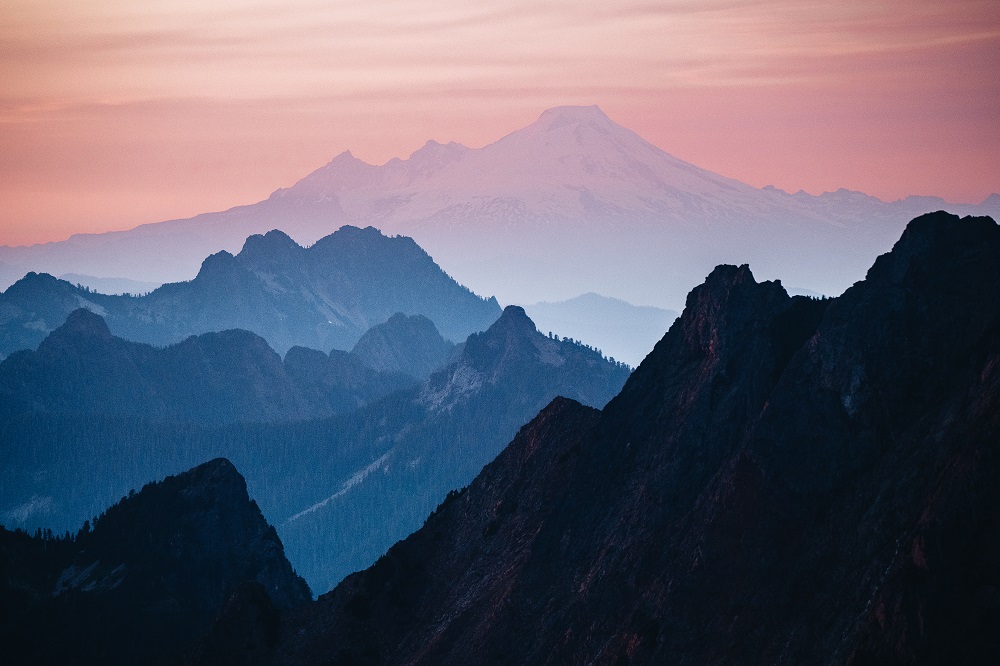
x,y
214,378
570,204
621,330
322,297
409,345
340,490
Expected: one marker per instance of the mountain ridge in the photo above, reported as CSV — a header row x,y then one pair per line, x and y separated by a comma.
x,y
783,480
569,204
213,378
325,296
340,489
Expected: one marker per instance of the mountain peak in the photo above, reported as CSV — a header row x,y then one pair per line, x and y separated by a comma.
x,y
938,238
346,156
210,478
514,318
565,115
274,245
721,311
84,322
215,265
438,153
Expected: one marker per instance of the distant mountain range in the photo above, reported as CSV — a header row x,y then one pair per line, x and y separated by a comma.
x,y
621,330
783,480
213,378
110,285
322,297
457,422
88,416
570,204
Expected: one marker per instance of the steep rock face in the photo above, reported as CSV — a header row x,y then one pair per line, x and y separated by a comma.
x,y
80,368
410,345
151,575
783,480
322,297
485,536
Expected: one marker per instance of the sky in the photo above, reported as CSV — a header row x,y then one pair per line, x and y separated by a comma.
x,y
114,114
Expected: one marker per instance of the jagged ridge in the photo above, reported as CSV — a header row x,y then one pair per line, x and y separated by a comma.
x,y
783,480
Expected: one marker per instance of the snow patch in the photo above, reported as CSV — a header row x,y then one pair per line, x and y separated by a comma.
x,y
461,382
346,486
35,506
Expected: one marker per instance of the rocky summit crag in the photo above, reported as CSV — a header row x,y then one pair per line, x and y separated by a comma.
x,y
783,480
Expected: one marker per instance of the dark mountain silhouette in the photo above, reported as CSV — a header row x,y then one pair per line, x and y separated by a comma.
x,y
148,578
321,297
80,368
783,480
339,490
410,345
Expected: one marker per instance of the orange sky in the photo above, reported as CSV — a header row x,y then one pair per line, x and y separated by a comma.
x,y
113,114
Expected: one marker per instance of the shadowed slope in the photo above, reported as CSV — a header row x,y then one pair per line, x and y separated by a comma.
x,y
782,481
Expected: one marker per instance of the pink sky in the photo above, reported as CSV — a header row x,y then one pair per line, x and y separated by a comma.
x,y
114,114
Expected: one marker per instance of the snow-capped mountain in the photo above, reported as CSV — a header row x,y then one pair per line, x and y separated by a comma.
x,y
572,203
573,163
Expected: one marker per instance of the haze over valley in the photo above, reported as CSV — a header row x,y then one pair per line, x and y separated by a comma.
x,y
412,332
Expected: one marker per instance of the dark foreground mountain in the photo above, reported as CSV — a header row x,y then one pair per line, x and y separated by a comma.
x,y
783,480
339,490
321,297
148,579
80,368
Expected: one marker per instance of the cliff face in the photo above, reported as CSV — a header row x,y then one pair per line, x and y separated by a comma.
x,y
149,578
781,481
